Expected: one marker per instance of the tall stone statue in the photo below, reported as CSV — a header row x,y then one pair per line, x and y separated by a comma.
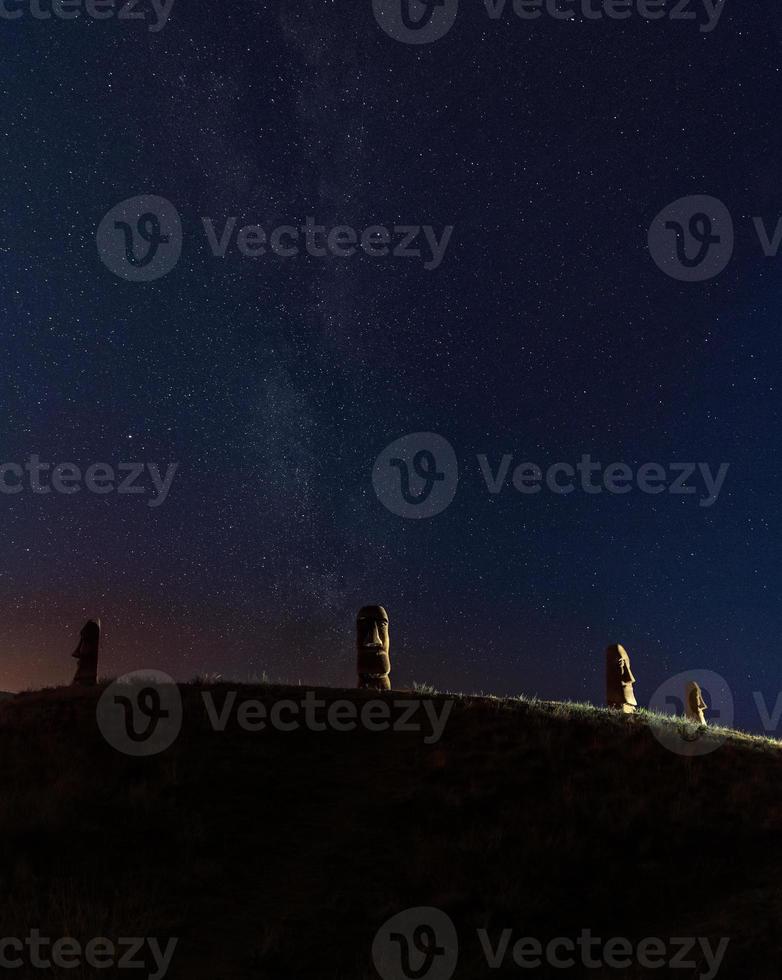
x,y
372,644
694,705
619,680
86,653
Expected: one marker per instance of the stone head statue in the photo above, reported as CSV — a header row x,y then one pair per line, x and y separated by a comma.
x,y
619,680
86,653
372,646
694,705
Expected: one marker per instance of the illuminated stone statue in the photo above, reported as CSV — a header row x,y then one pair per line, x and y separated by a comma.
x,y
619,680
372,646
694,705
87,655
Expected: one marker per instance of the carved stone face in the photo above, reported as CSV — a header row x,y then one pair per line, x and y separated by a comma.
x,y
694,705
619,679
372,642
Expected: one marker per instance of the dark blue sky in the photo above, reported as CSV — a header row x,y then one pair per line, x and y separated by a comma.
x,y
548,332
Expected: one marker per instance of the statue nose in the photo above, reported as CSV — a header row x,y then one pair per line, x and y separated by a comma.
x,y
372,637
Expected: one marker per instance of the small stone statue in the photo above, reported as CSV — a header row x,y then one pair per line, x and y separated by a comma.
x,y
372,644
694,705
87,655
619,680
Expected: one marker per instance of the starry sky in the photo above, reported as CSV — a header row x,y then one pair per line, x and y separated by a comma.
x,y
547,333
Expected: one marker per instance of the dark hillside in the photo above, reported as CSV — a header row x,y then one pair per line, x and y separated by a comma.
x,y
278,855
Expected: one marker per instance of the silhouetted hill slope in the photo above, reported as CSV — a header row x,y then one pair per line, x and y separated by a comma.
x,y
278,855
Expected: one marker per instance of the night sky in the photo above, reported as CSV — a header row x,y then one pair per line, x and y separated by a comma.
x,y
548,332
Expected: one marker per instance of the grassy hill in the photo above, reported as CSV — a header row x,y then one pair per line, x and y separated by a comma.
x,y
278,855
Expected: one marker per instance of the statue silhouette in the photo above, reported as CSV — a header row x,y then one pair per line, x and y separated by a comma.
x,y
87,655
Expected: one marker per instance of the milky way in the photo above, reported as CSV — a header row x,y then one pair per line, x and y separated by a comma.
x,y
546,333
